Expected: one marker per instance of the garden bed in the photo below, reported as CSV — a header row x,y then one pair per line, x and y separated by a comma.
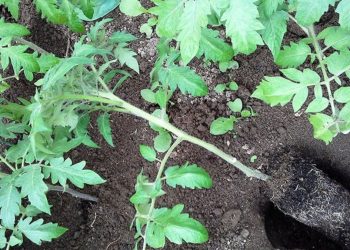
x,y
237,210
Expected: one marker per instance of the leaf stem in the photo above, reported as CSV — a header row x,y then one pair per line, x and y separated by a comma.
x,y
72,192
30,45
320,57
302,27
159,175
7,163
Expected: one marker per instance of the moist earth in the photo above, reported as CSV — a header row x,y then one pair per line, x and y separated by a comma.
x,y
236,211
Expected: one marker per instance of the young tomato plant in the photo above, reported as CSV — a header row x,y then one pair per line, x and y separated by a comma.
x,y
330,48
55,121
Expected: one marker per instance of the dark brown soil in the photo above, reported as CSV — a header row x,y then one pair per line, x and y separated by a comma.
x,y
235,209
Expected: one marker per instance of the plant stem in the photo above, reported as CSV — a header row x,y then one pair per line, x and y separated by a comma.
x,y
72,192
302,27
320,57
159,175
6,163
31,45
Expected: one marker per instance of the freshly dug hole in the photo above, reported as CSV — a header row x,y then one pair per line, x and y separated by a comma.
x,y
305,193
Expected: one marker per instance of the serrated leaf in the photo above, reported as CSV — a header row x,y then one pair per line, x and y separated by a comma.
x,y
214,48
32,185
131,7
275,28
317,105
13,7
62,170
37,232
321,124
10,201
306,77
343,9
300,98
50,10
336,37
342,95
81,131
105,128
162,142
293,55
193,19
148,153
100,8
155,235
178,227
338,63
127,56
12,30
276,90
242,25
169,15
72,19
188,176
185,79
46,62
268,7
222,125
236,105
310,11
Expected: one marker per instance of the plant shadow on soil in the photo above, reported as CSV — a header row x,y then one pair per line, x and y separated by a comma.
x,y
236,210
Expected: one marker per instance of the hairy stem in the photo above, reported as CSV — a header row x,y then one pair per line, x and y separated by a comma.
x,y
30,45
72,192
159,175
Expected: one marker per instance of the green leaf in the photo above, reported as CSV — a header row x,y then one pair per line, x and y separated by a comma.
x,y
343,10
338,63
100,9
13,7
342,95
242,25
222,125
161,98
46,62
321,124
162,142
220,88
214,48
268,7
236,106
336,37
169,15
10,201
188,176
87,7
246,113
277,90
184,78
178,227
147,29
37,232
19,60
3,87
310,11
344,113
72,19
275,28
62,170
3,240
161,115
293,55
317,105
12,29
131,7
193,19
127,56
32,185
148,153
233,86
105,128
306,77
148,95
122,37
300,98
50,10
145,191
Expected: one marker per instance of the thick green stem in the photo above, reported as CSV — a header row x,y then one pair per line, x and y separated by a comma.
x,y
30,45
320,57
158,178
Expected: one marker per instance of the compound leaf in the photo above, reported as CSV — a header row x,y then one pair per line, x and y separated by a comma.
x,y
105,128
309,11
37,232
242,25
126,56
10,201
62,170
50,10
188,176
